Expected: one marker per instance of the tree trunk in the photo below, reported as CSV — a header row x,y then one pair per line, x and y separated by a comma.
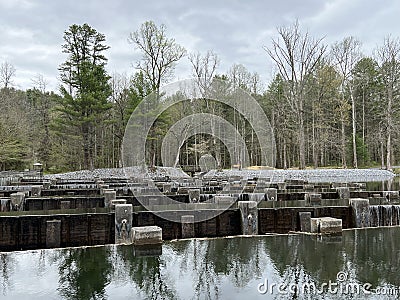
x,y
353,119
302,148
389,129
314,150
343,140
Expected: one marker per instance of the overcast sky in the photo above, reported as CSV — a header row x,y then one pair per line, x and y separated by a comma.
x,y
31,31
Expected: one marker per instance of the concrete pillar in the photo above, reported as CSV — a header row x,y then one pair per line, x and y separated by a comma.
x,y
391,195
281,185
53,234
123,223
344,192
187,226
4,205
360,209
313,199
258,197
17,200
223,200
249,217
326,225
65,204
147,235
271,194
109,195
194,195
167,187
305,221
36,190
103,188
330,225
116,202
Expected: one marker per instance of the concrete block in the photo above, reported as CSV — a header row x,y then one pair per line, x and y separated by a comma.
x,y
223,199
326,225
258,197
103,188
194,195
65,204
249,217
391,195
305,221
281,185
123,223
5,205
271,194
313,199
330,225
53,234
187,226
344,192
36,190
109,196
360,209
167,187
116,202
17,200
314,225
146,235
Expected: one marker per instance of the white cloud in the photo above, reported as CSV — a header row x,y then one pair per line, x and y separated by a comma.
x,y
236,30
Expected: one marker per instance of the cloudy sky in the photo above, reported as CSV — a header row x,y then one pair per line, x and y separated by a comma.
x,y
31,31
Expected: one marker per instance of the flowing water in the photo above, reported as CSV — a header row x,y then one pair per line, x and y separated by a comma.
x,y
226,268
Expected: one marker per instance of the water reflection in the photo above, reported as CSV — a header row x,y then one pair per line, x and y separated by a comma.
x,y
84,273
229,268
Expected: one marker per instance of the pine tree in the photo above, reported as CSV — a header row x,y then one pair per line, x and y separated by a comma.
x,y
85,88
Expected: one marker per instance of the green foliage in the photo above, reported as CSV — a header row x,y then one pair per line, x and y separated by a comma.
x,y
86,88
362,152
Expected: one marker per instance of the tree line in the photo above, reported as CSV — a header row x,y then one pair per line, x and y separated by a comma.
x,y
328,105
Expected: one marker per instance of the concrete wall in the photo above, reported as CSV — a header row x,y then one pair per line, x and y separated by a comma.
x,y
283,220
29,231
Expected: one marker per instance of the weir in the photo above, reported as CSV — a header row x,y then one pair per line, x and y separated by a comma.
x,y
63,213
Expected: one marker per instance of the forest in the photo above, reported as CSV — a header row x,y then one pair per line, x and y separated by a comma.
x,y
328,105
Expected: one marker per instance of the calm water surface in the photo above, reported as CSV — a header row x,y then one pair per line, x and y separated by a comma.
x,y
230,268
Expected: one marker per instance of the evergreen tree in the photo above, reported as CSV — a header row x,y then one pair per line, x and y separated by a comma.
x,y
85,88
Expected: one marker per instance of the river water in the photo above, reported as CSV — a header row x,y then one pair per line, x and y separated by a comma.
x,y
355,263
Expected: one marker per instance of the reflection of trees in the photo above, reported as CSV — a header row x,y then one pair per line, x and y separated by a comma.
x,y
322,259
209,261
7,262
84,272
374,255
146,273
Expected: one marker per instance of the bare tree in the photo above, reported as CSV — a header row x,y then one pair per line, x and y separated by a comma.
x,y
296,55
388,57
204,68
7,72
345,55
160,53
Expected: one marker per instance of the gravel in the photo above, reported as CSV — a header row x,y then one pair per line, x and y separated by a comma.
x,y
312,176
118,173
